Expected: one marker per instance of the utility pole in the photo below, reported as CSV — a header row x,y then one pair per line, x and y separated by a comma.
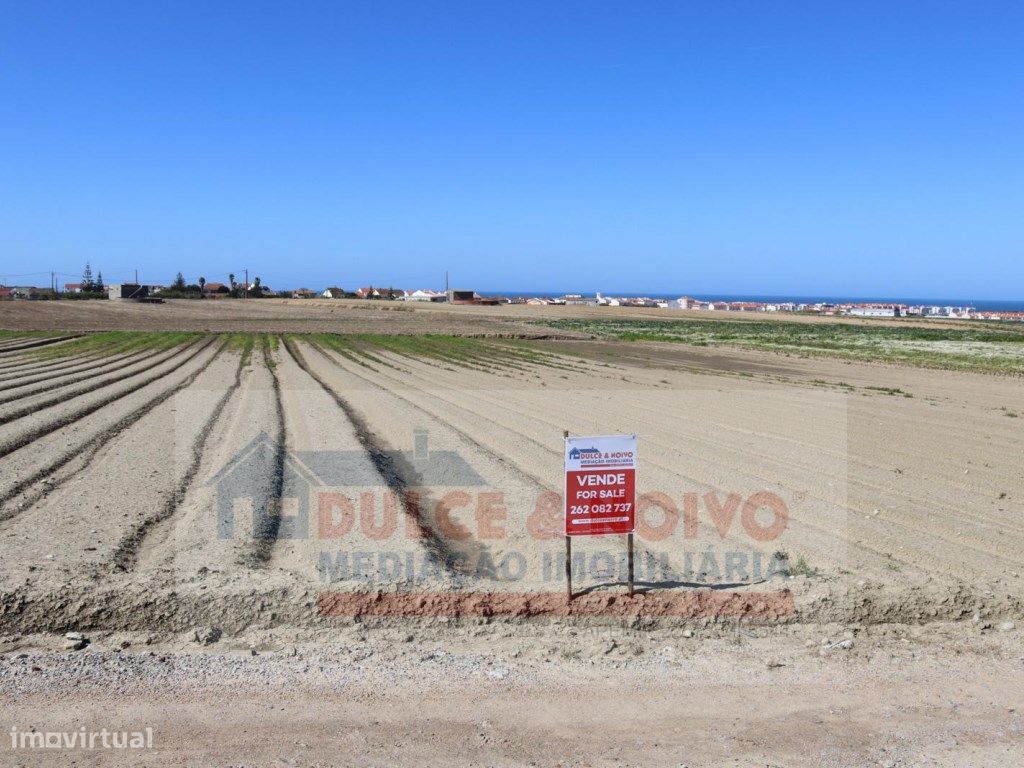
x,y
53,282
136,276
247,283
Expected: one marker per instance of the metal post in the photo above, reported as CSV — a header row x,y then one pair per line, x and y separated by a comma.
x,y
568,567
629,549
568,545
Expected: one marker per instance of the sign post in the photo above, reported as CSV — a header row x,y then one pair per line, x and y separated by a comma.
x,y
600,492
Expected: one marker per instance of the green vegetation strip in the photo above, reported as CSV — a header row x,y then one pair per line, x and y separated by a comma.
x,y
499,356
489,355
106,343
987,349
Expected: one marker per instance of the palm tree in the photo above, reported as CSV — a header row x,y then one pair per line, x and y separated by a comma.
x,y
202,286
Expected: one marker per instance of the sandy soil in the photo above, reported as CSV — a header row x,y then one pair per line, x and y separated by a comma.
x,y
938,696
902,537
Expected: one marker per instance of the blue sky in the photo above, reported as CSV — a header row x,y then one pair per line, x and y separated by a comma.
x,y
862,148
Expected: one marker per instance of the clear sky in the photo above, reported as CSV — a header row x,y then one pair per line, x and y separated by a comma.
x,y
860,148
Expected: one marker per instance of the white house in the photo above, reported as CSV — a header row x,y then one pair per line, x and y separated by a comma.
x,y
425,295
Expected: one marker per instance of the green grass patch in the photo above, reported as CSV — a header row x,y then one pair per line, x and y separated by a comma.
x,y
448,352
892,391
798,567
987,348
107,343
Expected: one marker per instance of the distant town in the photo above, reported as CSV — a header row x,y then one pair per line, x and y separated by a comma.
x,y
95,288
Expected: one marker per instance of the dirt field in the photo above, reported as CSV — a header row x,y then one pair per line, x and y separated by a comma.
x,y
267,315
372,508
354,316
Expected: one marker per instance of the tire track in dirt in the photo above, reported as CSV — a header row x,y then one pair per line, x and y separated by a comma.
x,y
816,530
53,383
266,532
917,515
75,530
919,521
126,555
26,409
514,425
874,476
49,369
211,531
28,365
38,343
919,555
24,439
993,546
480,427
12,341
82,455
501,459
398,476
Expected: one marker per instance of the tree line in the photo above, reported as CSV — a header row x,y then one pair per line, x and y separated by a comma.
x,y
93,288
182,289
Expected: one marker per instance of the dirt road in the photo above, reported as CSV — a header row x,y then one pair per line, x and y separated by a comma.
x,y
948,697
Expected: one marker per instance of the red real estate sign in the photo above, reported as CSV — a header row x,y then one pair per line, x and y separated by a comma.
x,y
600,485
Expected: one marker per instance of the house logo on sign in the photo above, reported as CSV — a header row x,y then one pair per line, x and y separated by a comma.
x,y
275,488
582,454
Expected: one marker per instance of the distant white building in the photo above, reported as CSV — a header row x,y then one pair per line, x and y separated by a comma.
x,y
425,295
874,312
576,299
